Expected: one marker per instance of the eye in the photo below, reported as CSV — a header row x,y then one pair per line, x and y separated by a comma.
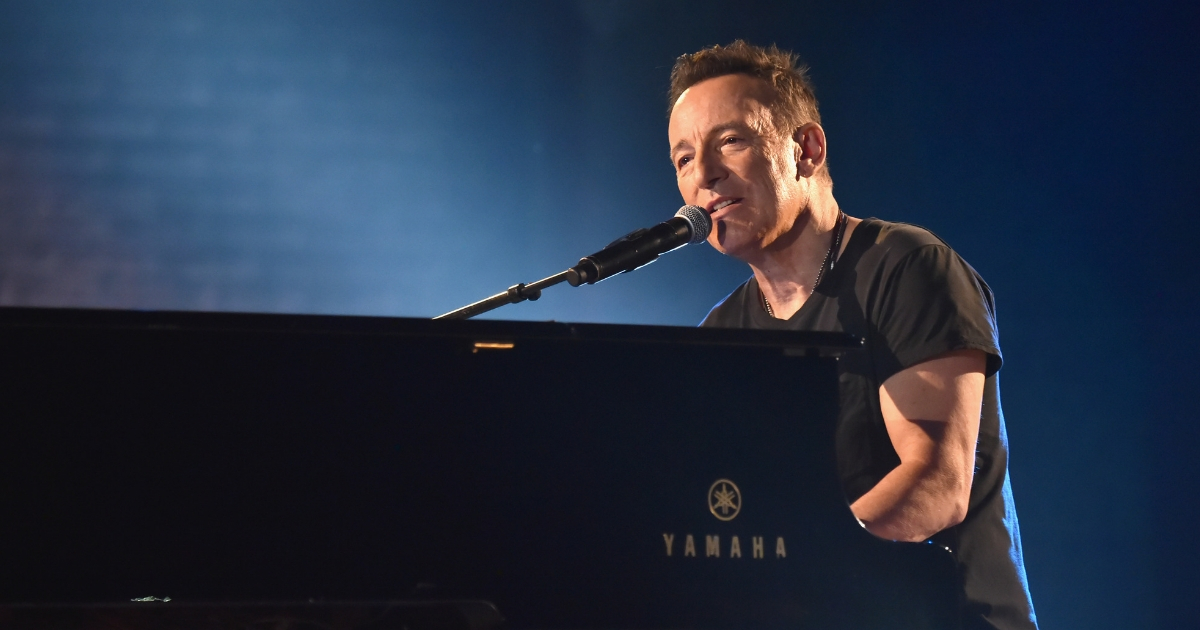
x,y
683,161
731,140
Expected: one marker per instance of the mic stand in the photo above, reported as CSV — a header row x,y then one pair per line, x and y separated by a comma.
x,y
516,293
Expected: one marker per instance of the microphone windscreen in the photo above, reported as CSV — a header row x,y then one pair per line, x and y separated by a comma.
x,y
698,219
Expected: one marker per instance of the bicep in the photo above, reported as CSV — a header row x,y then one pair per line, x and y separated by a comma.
x,y
931,411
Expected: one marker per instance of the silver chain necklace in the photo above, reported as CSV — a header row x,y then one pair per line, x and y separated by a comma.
x,y
835,244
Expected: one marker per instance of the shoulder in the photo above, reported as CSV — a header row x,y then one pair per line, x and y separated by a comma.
x,y
889,248
897,240
922,297
733,311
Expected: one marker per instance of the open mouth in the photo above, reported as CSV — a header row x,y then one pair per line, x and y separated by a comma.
x,y
721,205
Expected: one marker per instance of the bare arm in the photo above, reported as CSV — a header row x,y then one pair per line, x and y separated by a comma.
x,y
931,411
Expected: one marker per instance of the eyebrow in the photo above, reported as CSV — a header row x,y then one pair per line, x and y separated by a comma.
x,y
714,131
678,145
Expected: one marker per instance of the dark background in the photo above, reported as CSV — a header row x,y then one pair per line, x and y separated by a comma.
x,y
403,159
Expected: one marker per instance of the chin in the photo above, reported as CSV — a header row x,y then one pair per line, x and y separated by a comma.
x,y
731,244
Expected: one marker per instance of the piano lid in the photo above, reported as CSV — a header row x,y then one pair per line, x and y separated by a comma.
x,y
19,317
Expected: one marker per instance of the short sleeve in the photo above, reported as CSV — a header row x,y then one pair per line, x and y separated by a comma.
x,y
931,302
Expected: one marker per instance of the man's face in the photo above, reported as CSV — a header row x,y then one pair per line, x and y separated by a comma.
x,y
730,161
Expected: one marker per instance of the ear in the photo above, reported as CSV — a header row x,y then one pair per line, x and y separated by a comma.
x,y
809,140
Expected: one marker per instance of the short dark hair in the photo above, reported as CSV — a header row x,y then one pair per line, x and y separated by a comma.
x,y
795,103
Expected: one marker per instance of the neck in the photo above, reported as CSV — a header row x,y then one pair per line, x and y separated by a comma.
x,y
787,271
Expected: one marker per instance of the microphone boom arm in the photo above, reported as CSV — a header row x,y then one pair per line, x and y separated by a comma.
x,y
636,249
516,293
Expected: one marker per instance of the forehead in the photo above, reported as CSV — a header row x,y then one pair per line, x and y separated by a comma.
x,y
724,100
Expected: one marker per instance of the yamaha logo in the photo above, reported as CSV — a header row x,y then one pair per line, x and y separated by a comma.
x,y
724,500
725,503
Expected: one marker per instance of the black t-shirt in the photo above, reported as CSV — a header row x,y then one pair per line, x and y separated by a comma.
x,y
911,298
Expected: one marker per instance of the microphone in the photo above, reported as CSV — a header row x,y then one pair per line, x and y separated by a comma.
x,y
642,247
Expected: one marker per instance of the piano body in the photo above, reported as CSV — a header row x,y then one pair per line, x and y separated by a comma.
x,y
203,470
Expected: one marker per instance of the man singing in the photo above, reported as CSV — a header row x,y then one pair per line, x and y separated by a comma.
x,y
921,445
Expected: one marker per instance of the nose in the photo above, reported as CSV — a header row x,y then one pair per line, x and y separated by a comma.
x,y
709,169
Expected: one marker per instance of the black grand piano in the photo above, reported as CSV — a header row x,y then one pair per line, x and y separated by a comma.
x,y
202,470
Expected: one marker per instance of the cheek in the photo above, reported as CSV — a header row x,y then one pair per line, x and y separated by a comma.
x,y
685,191
778,188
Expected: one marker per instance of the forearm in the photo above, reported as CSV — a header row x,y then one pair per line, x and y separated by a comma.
x,y
913,502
